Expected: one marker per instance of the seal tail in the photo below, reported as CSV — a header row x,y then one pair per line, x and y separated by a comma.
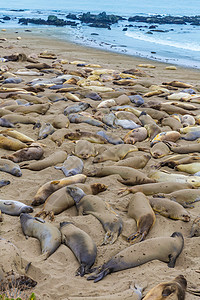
x,y
100,275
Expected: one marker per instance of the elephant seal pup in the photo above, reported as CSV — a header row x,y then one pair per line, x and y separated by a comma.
x,y
129,176
191,168
166,249
10,167
174,289
48,235
58,136
17,118
150,189
115,153
195,230
94,205
84,149
179,159
45,130
33,152
71,166
81,244
88,136
171,136
110,138
184,149
152,130
184,197
60,121
169,209
50,187
10,143
51,160
4,182
160,176
137,162
17,135
14,208
140,209
159,150
55,204
135,135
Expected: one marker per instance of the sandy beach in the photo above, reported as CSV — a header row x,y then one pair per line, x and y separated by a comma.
x,y
56,276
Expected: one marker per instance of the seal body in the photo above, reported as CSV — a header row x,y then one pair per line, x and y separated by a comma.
x,y
185,197
10,167
195,230
84,149
140,209
166,249
94,205
33,152
48,235
81,244
136,162
71,166
4,182
9,143
174,289
14,208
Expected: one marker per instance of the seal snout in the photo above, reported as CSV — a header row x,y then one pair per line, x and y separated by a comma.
x,y
26,209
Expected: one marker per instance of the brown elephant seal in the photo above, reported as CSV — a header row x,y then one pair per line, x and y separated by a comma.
x,y
84,149
60,121
14,208
179,159
88,136
72,165
17,135
184,197
159,150
33,152
152,130
55,204
52,160
10,143
94,205
190,168
10,167
169,209
129,176
171,136
137,162
166,249
184,149
135,135
140,209
174,289
45,130
48,235
81,244
58,136
195,230
115,153
172,122
17,118
35,108
146,119
157,187
50,187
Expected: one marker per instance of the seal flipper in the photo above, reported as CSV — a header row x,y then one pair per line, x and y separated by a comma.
x,y
100,275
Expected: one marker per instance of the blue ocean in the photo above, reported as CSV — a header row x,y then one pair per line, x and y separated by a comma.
x,y
172,43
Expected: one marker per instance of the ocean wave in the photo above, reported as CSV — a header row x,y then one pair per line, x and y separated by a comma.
x,y
145,38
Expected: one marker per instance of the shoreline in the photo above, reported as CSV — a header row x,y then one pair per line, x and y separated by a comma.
x,y
104,55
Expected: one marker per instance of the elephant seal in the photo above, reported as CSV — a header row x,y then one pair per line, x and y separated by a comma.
x,y
17,135
60,121
9,143
171,136
6,123
10,167
110,138
152,130
184,149
35,108
187,120
17,118
136,162
81,135
4,182
195,230
81,106
58,136
45,130
179,159
51,160
84,149
172,122
169,209
129,176
166,249
146,119
115,153
71,166
94,205
184,197
81,244
33,152
135,135
50,187
155,188
56,203
190,168
191,136
174,289
140,209
48,235
159,150
14,208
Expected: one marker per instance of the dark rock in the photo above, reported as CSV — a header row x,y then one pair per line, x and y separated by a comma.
x,y
6,18
72,16
153,26
149,32
52,20
125,29
93,33
101,20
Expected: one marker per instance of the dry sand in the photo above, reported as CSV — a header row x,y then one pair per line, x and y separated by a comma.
x,y
56,276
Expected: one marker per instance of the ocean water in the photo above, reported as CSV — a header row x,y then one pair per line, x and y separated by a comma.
x,y
180,44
